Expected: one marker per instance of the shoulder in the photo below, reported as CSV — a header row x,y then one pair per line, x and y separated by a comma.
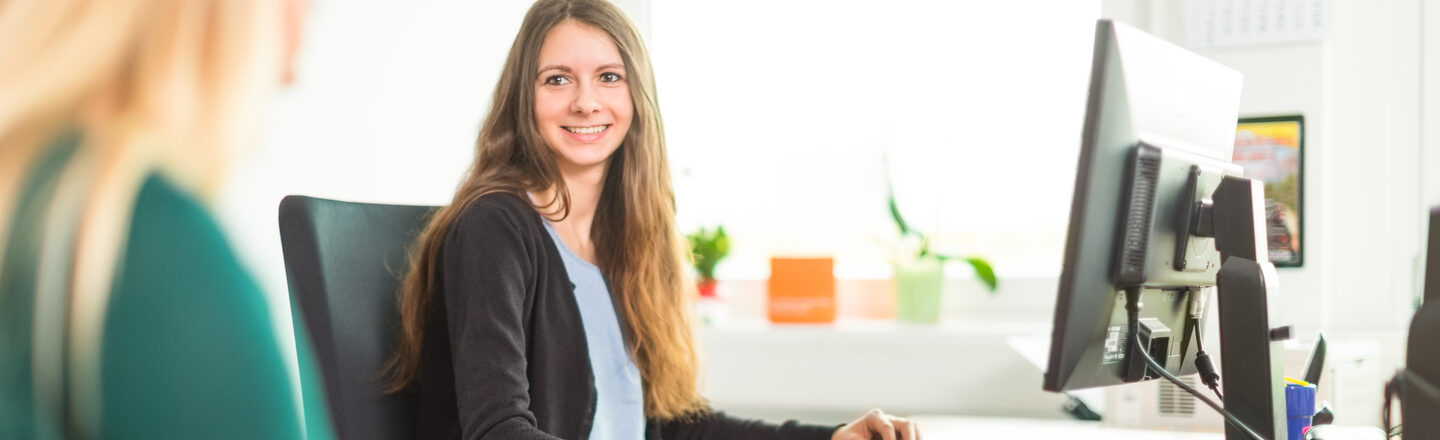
x,y
496,213
495,227
171,230
187,328
177,261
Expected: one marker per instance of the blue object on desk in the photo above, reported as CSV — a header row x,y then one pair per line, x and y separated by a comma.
x,y
1299,407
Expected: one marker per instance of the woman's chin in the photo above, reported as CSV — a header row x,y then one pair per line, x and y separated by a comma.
x,y
583,162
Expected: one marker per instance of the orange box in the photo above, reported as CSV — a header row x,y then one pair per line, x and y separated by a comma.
x,y
802,290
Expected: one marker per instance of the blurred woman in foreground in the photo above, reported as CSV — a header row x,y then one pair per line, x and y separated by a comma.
x,y
123,311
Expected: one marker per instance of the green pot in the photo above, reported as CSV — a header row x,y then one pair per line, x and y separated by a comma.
x,y
917,290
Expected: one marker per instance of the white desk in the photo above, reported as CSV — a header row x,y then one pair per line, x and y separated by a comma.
x,y
965,427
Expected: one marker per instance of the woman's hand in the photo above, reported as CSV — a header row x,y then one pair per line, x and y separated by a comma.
x,y
875,424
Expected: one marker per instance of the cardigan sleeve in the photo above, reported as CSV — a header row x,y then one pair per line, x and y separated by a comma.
x,y
718,425
486,277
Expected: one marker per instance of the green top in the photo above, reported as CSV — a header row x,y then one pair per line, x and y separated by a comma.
x,y
189,349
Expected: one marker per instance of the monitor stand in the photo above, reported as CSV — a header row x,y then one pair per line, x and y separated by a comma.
x,y
1249,348
1420,392
1420,400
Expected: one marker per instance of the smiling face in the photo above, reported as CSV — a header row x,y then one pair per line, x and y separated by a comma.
x,y
582,100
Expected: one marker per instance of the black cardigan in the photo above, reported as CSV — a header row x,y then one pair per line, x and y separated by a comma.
x,y
504,354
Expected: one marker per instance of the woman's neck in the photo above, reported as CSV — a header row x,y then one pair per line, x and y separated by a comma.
x,y
585,187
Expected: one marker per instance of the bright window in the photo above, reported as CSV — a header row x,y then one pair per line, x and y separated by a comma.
x,y
778,116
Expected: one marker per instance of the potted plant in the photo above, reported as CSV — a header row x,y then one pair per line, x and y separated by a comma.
x,y
918,273
708,246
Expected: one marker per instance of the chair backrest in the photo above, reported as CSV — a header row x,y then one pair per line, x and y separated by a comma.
x,y
344,262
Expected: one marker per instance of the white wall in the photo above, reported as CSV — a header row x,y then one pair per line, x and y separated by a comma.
x,y
1430,93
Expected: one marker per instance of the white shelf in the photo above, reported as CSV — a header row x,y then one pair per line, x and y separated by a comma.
x,y
957,367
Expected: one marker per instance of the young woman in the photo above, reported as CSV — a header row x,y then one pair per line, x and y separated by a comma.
x,y
123,311
551,298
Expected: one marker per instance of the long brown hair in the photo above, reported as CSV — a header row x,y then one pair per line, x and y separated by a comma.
x,y
637,245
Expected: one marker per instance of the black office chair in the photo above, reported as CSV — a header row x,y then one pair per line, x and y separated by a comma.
x,y
344,262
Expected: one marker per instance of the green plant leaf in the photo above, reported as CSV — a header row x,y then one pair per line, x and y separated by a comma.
x,y
895,210
708,248
722,243
890,199
984,272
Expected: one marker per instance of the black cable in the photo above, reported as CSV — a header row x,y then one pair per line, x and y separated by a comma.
x,y
1203,364
1392,391
1198,395
1132,310
1404,383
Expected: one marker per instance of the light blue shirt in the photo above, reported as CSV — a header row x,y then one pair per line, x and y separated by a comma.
x,y
620,399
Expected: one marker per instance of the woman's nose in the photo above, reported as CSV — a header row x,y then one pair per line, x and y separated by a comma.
x,y
585,100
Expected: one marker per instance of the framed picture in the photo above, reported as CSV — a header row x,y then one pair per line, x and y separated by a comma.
x,y
1272,150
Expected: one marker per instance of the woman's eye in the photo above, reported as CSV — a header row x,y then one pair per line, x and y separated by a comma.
x,y
609,77
557,80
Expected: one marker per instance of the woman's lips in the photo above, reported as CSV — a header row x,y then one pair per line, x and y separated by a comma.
x,y
587,133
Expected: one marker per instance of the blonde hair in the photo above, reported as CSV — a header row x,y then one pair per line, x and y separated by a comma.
x,y
171,85
637,244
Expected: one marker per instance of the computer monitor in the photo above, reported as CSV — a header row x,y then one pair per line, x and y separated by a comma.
x,y
1157,204
1143,91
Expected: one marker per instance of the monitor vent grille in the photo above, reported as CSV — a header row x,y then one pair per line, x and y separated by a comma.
x,y
1174,401
1144,174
